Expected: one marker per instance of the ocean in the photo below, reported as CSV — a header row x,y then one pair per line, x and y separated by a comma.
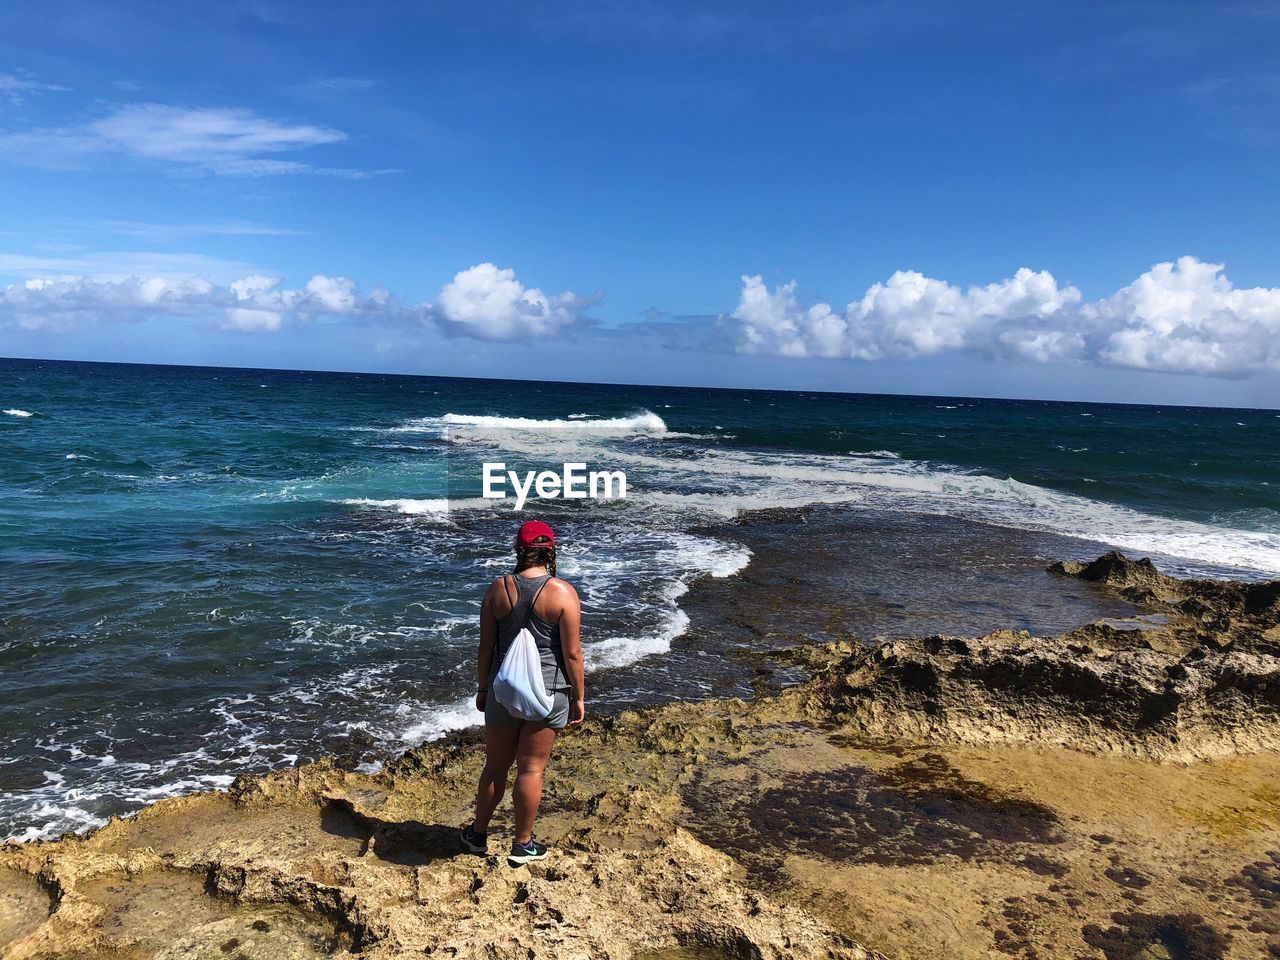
x,y
210,571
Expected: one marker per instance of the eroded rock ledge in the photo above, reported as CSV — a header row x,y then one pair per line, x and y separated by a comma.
x,y
1198,677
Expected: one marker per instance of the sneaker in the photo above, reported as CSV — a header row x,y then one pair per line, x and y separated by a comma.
x,y
526,852
473,841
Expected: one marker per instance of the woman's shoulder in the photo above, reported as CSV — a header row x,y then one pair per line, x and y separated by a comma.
x,y
499,587
562,587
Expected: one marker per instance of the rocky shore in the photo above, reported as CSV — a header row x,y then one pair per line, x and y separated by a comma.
x,y
1193,679
1109,792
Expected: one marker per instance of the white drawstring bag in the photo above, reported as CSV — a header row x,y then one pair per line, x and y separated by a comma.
x,y
518,685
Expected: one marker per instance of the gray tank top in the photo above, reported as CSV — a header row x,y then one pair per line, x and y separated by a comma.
x,y
545,635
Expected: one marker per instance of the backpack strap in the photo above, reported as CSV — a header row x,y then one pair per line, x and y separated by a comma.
x,y
556,659
506,589
529,612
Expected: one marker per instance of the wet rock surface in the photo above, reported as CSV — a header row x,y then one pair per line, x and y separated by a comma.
x,y
1037,797
917,810
927,850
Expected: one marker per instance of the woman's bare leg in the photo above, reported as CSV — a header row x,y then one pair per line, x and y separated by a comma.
x,y
532,754
500,744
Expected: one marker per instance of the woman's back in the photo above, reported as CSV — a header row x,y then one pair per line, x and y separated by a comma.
x,y
524,595
544,626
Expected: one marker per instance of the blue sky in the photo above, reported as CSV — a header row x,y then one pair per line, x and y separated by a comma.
x,y
834,196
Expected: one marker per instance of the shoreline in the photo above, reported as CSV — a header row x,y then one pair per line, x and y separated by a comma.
x,y
917,797
802,583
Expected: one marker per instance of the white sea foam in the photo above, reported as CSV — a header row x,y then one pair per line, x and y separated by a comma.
x,y
738,479
316,631
438,721
402,505
623,650
56,807
715,558
725,482
15,412
693,556
52,819
641,423
722,506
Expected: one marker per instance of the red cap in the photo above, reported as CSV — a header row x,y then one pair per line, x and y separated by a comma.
x,y
531,531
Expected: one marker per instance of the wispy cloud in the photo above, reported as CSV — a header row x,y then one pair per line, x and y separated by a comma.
x,y
1239,108
14,89
753,29
336,85
118,266
233,141
183,140
167,232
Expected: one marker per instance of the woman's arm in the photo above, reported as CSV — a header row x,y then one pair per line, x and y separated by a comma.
x,y
484,655
571,647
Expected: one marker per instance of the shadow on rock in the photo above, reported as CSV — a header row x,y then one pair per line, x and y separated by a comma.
x,y
409,843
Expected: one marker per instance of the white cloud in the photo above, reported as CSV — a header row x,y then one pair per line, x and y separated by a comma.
x,y
121,265
253,303
186,140
337,85
222,139
71,302
333,294
1182,317
489,303
1186,316
483,303
175,231
15,90
908,315
249,320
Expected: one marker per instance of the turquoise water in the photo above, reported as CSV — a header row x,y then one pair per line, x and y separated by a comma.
x,y
208,570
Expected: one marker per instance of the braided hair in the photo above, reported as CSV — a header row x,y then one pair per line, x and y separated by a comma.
x,y
541,553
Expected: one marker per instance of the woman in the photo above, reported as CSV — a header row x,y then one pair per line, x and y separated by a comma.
x,y
534,597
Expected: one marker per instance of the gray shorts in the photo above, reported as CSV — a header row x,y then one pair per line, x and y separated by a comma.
x,y
495,714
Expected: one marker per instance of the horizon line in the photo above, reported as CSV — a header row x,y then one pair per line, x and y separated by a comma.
x,y
658,386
